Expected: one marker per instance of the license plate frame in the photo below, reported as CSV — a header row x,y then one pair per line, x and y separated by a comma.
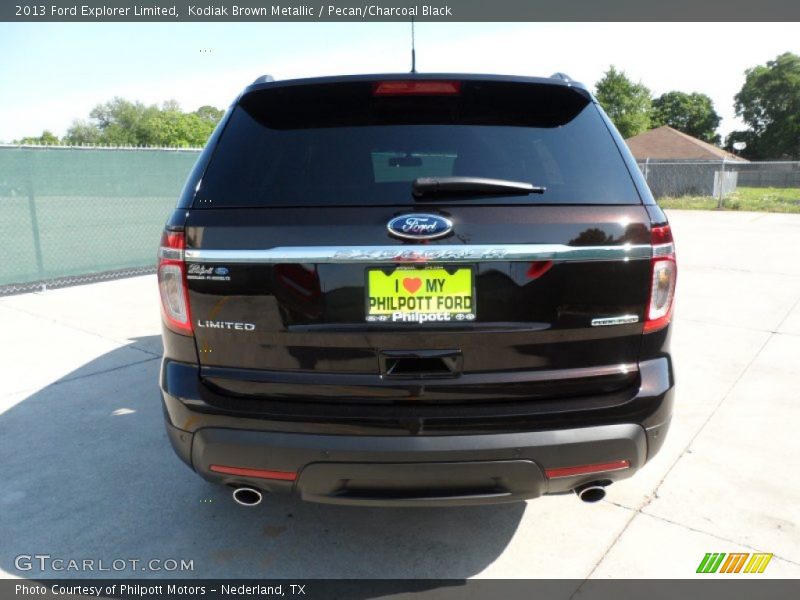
x,y
394,311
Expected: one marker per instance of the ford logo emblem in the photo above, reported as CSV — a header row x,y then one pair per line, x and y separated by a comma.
x,y
419,226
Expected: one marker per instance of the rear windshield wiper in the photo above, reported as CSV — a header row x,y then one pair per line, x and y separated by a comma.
x,y
424,186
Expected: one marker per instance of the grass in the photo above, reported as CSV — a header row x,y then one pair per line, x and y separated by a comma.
x,y
785,200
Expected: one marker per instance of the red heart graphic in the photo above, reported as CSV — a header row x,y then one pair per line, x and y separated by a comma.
x,y
412,284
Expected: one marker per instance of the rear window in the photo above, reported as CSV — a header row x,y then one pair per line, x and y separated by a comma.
x,y
338,144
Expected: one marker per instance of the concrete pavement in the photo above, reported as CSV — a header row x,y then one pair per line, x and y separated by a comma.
x,y
88,473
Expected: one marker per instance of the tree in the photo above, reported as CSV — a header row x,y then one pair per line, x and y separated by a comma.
x,y
82,132
628,104
693,114
769,103
124,123
120,122
47,137
749,139
210,113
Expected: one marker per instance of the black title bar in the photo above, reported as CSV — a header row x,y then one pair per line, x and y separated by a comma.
x,y
403,589
399,10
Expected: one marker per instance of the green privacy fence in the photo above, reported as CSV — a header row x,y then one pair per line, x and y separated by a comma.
x,y
67,213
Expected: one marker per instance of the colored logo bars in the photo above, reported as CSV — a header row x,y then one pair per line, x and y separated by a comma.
x,y
716,562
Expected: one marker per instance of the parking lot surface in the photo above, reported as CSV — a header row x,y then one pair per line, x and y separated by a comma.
x,y
88,473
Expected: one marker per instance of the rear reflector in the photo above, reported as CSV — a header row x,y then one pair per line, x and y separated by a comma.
x,y
258,473
172,283
663,275
417,88
616,465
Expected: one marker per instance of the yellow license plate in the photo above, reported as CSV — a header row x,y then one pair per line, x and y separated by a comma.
x,y
430,295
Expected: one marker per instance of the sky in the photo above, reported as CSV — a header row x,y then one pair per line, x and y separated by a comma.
x,y
53,73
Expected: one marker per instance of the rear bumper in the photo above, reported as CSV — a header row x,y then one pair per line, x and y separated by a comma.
x,y
414,469
417,471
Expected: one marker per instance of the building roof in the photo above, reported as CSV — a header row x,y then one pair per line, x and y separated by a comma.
x,y
667,143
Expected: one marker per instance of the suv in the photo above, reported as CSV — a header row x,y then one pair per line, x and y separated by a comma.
x,y
416,290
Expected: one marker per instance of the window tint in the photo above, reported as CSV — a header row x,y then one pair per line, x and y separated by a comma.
x,y
339,145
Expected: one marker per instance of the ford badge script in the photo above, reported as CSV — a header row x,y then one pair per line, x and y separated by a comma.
x,y
419,226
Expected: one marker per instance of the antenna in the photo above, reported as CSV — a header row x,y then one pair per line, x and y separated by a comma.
x,y
413,50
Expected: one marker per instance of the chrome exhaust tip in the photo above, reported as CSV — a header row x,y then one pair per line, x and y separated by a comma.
x,y
591,492
247,496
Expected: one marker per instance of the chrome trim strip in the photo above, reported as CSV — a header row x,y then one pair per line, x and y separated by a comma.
x,y
421,253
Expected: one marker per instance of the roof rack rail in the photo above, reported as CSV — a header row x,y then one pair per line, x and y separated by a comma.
x,y
264,79
561,76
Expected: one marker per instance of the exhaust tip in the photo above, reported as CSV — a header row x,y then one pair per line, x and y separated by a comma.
x,y
247,496
591,492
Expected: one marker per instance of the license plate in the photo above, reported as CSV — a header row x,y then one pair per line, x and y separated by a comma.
x,y
429,295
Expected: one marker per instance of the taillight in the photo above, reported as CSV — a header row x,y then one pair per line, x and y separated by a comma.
x,y
172,283
417,88
663,274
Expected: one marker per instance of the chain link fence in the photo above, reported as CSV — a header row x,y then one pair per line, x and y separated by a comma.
x,y
75,215
732,184
79,214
